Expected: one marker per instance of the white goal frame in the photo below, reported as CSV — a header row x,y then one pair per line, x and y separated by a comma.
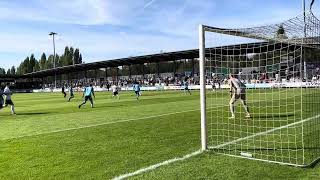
x,y
203,104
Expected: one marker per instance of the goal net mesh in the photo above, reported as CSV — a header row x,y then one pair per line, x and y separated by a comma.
x,y
279,66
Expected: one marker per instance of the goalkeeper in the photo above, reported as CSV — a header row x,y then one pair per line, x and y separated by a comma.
x,y
237,92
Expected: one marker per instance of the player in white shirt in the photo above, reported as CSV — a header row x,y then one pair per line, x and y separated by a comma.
x,y
215,81
115,91
8,100
237,92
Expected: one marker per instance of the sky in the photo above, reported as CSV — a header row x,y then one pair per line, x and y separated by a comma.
x,y
108,29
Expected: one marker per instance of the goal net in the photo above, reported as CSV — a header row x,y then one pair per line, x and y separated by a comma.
x,y
260,96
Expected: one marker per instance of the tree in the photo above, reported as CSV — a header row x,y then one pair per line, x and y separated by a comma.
x,y
71,56
58,61
9,71
80,59
25,66
36,66
13,70
281,33
49,64
31,64
19,72
76,56
66,57
43,61
2,71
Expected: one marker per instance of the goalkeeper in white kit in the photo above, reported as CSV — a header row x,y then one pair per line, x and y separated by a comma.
x,y
237,92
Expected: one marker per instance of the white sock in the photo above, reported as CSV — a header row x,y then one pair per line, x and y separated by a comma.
x,y
12,110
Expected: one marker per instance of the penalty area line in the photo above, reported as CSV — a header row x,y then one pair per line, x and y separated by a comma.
x,y
155,166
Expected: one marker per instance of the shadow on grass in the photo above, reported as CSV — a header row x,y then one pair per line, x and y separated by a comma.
x,y
31,113
109,106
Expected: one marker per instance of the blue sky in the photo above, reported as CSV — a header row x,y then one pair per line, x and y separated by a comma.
x,y
106,29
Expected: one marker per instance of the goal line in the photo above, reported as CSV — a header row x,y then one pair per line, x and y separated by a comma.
x,y
265,133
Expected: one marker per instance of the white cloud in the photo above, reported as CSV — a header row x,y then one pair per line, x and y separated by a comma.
x,y
148,26
94,47
83,12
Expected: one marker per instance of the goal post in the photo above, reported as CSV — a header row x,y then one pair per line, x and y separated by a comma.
x,y
272,112
202,87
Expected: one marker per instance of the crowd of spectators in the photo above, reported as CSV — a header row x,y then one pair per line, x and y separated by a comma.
x,y
128,82
178,80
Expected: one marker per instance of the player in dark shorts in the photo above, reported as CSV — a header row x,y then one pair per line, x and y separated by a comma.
x,y
237,92
215,81
87,94
186,86
7,92
115,91
63,92
108,86
71,93
1,99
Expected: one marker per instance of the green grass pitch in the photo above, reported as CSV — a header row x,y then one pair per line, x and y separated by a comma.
x,y
50,138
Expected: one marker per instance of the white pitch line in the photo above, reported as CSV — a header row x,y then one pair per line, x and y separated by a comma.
x,y
266,132
170,161
155,166
101,124
114,122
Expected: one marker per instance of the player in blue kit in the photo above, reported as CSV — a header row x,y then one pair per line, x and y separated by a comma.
x,y
136,88
87,94
186,86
